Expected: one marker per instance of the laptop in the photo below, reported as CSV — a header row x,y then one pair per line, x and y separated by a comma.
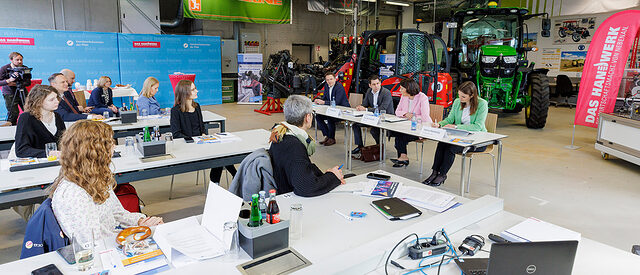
x,y
528,258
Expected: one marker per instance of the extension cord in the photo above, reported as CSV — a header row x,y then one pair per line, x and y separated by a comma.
x,y
426,249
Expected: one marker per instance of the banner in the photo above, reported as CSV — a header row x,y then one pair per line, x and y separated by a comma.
x,y
250,11
604,66
144,55
89,54
249,72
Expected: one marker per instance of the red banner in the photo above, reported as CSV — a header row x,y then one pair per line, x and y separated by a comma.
x,y
604,66
17,41
146,44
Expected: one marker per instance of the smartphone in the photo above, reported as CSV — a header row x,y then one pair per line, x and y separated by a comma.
x,y
47,270
116,154
378,176
67,254
188,139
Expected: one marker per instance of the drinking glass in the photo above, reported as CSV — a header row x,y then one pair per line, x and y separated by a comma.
x,y
144,112
295,221
105,114
168,138
51,147
129,143
382,113
230,235
83,248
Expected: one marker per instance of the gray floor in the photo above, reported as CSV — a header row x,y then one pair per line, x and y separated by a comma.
x,y
576,189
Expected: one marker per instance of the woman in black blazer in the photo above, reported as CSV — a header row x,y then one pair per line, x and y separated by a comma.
x,y
39,124
186,120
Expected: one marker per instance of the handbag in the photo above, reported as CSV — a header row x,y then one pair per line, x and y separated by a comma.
x,y
369,153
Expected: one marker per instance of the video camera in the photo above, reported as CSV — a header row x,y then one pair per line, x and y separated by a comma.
x,y
21,74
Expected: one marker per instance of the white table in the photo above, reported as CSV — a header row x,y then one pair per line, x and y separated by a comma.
x,y
211,120
118,92
187,158
479,139
337,246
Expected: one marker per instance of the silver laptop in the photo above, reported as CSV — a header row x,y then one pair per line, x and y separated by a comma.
x,y
530,258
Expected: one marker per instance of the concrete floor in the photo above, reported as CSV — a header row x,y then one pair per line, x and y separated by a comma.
x,y
575,189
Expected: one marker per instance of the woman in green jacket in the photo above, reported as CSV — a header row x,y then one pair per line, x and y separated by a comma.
x,y
467,113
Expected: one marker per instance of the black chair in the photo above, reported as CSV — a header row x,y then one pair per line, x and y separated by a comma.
x,y
564,90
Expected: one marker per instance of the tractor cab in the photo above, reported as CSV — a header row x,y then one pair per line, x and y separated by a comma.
x,y
414,54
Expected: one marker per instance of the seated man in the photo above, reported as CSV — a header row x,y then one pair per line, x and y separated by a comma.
x,y
68,107
290,149
332,92
376,97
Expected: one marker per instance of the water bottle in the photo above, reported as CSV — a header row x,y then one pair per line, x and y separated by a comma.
x,y
333,103
414,122
376,112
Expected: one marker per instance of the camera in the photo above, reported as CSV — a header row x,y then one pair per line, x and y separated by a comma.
x,y
21,74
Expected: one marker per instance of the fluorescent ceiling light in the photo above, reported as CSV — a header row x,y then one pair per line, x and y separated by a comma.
x,y
396,3
372,1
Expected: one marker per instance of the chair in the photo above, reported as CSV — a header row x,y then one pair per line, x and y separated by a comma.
x,y
564,90
491,124
436,112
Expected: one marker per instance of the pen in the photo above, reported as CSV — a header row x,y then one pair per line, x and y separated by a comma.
x,y
340,166
343,215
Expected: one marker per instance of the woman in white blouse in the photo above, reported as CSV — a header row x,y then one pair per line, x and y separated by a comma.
x,y
82,196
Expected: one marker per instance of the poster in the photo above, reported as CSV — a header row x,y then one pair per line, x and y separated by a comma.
x,y
144,55
573,30
389,60
551,59
530,40
89,54
572,61
250,11
249,71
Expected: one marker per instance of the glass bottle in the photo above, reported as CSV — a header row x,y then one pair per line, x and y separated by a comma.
x,y
147,134
255,219
273,212
263,204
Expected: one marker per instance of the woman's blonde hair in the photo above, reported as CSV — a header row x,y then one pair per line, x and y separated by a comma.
x,y
103,80
36,97
182,95
86,155
146,87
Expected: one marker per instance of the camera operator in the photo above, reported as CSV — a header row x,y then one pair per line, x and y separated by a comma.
x,y
10,80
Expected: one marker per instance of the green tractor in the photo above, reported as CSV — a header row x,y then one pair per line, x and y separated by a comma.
x,y
486,47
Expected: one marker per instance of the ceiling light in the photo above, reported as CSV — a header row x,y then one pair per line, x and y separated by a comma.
x,y
372,1
396,3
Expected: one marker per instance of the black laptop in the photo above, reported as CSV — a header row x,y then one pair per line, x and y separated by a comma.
x,y
530,258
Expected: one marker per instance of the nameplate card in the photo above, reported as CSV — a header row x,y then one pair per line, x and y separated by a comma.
x,y
370,119
432,133
333,112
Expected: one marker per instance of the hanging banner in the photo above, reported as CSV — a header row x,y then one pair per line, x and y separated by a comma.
x,y
604,66
250,11
249,70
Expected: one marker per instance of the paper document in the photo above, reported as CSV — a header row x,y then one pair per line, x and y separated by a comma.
x,y
221,206
424,195
355,187
195,242
392,118
534,230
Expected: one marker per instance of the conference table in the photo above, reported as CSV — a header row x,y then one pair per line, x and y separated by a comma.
x,y
350,116
211,121
335,245
27,186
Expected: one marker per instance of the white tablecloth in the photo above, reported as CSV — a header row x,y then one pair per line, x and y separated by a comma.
x,y
119,92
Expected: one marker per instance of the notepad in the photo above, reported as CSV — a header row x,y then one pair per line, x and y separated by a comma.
x,y
395,209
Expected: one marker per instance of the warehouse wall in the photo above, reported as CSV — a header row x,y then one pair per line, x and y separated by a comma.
x,y
76,15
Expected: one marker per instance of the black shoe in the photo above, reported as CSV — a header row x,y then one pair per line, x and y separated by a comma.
x,y
439,180
356,150
401,163
394,160
433,175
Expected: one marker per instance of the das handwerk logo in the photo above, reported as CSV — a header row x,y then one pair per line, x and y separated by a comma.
x,y
146,44
195,5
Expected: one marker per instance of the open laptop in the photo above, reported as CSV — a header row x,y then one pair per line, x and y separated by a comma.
x,y
530,258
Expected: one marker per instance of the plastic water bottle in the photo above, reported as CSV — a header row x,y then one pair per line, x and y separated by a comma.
x,y
414,122
333,103
376,112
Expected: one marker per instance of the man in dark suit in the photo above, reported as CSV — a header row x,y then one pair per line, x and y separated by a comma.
x,y
333,91
376,97
68,107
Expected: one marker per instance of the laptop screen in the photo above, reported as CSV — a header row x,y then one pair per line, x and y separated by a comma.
x,y
532,258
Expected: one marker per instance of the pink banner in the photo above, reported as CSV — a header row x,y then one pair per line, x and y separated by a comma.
x,y
604,66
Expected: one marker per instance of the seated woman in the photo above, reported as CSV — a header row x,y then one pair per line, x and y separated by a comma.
x,y
39,124
147,100
290,149
467,113
186,120
412,102
101,98
82,196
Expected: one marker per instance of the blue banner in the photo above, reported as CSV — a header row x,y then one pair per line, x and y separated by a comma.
x,y
144,55
89,54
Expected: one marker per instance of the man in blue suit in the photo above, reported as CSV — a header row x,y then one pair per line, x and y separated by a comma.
x,y
69,108
333,91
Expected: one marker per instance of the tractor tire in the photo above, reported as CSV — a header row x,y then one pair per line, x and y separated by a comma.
x,y
537,111
562,33
575,37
